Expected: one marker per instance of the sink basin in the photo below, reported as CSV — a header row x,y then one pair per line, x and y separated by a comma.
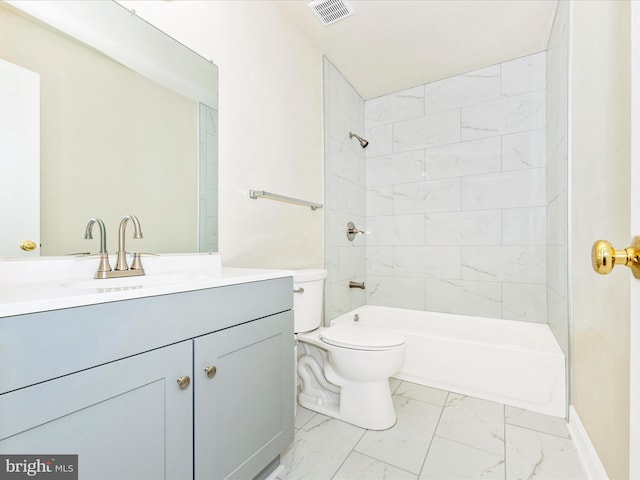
x,y
125,283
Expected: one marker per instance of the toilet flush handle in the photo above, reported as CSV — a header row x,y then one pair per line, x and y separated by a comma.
x,y
298,290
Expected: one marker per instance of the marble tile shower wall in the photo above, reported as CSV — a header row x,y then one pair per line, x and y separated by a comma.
x,y
344,192
557,175
456,194
208,180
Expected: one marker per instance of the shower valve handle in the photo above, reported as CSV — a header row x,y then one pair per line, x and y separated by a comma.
x,y
352,231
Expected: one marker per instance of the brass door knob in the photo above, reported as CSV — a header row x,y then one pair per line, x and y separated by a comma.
x,y
604,257
184,382
211,371
28,245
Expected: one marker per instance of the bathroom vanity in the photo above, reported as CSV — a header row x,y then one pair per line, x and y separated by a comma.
x,y
190,377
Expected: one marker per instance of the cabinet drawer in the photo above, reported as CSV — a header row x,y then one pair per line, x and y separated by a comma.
x,y
42,346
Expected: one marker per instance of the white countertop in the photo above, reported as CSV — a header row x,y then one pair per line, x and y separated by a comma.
x,y
53,283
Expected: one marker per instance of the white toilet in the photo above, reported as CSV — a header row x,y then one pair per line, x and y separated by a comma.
x,y
343,371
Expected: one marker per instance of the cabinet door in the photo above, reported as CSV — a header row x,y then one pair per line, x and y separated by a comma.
x,y
244,413
127,419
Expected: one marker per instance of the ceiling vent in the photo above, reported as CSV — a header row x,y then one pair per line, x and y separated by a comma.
x,y
331,11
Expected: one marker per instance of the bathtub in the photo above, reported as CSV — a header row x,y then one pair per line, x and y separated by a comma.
x,y
510,362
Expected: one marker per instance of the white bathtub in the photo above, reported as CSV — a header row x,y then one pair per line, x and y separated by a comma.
x,y
510,362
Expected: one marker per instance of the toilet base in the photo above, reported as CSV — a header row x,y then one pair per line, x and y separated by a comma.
x,y
365,405
317,404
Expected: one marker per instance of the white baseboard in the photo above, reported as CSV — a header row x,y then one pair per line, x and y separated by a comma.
x,y
586,451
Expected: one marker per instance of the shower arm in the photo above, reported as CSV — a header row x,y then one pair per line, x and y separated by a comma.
x,y
363,141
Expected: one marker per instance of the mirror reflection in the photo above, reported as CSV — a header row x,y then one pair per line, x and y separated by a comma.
x,y
112,140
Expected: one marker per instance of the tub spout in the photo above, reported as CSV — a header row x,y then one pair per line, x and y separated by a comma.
x,y
353,284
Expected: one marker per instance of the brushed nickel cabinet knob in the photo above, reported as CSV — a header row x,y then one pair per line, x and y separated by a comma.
x,y
184,382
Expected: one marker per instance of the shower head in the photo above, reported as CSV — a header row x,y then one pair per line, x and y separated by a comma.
x,y
363,142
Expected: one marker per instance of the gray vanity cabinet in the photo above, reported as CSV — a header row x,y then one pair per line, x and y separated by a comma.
x,y
125,420
244,411
102,381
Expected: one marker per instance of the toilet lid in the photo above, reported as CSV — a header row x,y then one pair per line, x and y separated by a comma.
x,y
351,335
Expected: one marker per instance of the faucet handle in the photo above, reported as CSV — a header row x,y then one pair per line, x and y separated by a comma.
x,y
136,264
104,265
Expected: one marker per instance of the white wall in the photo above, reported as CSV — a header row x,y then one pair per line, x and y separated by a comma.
x,y
270,114
600,195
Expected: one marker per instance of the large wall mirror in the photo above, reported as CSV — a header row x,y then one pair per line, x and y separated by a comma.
x,y
128,125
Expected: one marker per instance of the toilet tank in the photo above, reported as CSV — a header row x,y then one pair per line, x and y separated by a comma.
x,y
307,303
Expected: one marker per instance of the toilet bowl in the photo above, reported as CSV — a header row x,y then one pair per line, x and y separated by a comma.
x,y
343,370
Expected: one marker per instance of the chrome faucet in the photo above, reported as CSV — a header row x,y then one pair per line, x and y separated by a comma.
x,y
121,263
122,269
104,265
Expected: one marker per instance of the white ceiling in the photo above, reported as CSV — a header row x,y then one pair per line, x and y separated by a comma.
x,y
390,45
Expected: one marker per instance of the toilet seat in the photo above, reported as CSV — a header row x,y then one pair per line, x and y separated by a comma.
x,y
360,337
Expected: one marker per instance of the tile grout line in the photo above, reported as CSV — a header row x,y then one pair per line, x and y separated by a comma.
x,y
385,463
539,431
462,444
504,435
353,449
435,430
308,420
433,404
382,461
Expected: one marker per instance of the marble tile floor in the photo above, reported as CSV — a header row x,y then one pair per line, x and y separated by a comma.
x,y
438,435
